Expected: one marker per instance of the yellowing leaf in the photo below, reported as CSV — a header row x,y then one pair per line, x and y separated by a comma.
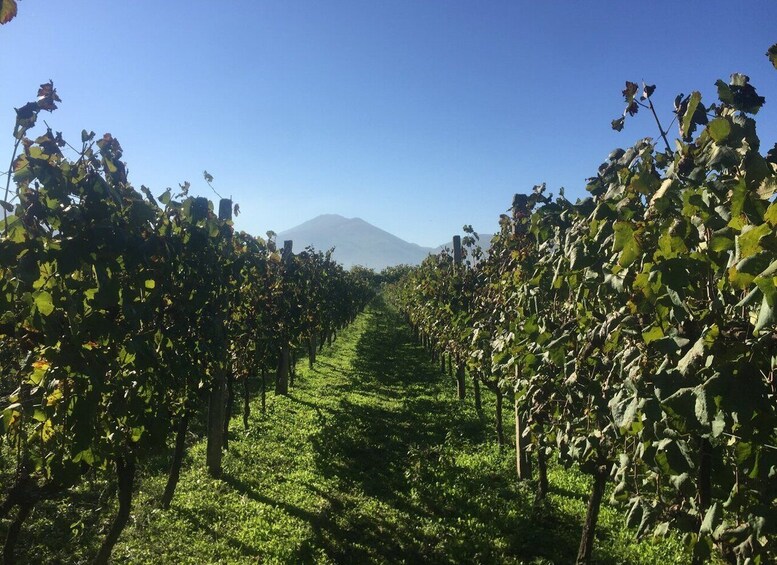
x,y
7,11
47,432
767,188
54,397
39,369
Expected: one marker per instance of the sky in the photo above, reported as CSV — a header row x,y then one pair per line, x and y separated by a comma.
x,y
416,116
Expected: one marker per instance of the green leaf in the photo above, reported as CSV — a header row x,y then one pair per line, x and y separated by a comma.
x,y
693,103
672,456
44,302
719,129
668,345
86,456
766,285
718,424
635,514
720,243
137,433
702,406
724,92
165,197
743,451
644,183
624,407
150,284
16,232
662,530
765,315
749,241
738,197
652,334
626,242
711,519
680,482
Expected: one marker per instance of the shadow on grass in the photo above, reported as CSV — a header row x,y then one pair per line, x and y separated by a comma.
x,y
394,444
204,528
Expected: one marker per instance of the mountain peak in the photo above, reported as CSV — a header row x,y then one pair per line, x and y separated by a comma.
x,y
356,242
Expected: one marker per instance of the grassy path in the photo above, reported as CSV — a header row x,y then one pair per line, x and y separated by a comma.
x,y
370,459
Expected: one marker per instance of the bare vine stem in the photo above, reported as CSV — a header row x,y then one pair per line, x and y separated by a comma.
x,y
8,182
658,122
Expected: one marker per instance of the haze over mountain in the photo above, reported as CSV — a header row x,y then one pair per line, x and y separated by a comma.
x,y
357,242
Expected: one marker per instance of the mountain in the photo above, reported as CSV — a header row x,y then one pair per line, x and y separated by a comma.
x,y
356,242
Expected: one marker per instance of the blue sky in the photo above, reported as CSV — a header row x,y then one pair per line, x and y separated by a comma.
x,y
417,116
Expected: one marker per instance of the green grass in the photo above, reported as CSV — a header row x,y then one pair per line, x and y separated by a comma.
x,y
370,459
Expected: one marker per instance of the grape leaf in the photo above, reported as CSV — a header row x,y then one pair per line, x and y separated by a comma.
x,y
7,11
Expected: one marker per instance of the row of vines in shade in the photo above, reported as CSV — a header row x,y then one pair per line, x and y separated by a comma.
x,y
124,316
636,328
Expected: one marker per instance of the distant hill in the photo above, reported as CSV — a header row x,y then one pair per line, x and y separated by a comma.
x,y
356,242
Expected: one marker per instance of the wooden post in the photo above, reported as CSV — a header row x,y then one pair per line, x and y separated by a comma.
x,y
476,391
217,399
264,388
225,209
519,462
282,373
460,384
461,389
200,208
500,436
284,359
520,210
522,463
